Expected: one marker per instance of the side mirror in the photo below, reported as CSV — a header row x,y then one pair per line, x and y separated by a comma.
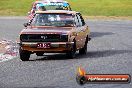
x,y
26,24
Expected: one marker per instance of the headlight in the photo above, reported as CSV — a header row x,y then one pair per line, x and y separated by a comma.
x,y
64,37
23,37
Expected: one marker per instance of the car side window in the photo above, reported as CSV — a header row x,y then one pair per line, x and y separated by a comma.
x,y
82,20
77,21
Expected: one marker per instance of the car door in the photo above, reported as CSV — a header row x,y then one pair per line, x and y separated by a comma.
x,y
79,37
83,30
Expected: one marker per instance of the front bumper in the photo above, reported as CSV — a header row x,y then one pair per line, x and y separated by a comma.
x,y
55,47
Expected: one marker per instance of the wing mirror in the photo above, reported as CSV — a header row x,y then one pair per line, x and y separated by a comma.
x,y
26,24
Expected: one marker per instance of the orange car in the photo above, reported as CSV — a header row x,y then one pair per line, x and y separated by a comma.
x,y
54,32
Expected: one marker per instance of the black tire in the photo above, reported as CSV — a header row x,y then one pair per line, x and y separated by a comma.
x,y
39,53
71,54
84,49
24,55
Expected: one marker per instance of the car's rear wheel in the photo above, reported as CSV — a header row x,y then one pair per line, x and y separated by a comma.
x,y
71,53
24,55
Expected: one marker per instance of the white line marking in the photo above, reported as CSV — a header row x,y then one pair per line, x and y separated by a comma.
x,y
6,57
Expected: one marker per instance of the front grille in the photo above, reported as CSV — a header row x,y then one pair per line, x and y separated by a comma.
x,y
43,38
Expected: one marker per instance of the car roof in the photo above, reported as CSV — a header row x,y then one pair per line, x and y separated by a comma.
x,y
51,1
58,11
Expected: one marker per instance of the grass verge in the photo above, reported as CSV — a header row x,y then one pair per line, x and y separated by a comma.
x,y
86,7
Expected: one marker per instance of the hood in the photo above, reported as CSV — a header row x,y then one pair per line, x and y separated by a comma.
x,y
46,30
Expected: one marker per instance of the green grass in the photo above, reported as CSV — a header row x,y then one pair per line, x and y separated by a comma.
x,y
86,7
15,7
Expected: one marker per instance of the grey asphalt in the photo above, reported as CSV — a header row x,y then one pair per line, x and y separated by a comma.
x,y
109,52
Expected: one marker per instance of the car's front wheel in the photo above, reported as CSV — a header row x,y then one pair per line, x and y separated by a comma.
x,y
84,49
71,53
24,55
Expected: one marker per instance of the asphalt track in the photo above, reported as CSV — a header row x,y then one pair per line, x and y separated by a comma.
x,y
109,52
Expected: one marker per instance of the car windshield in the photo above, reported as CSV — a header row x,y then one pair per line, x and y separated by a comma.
x,y
51,19
53,6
